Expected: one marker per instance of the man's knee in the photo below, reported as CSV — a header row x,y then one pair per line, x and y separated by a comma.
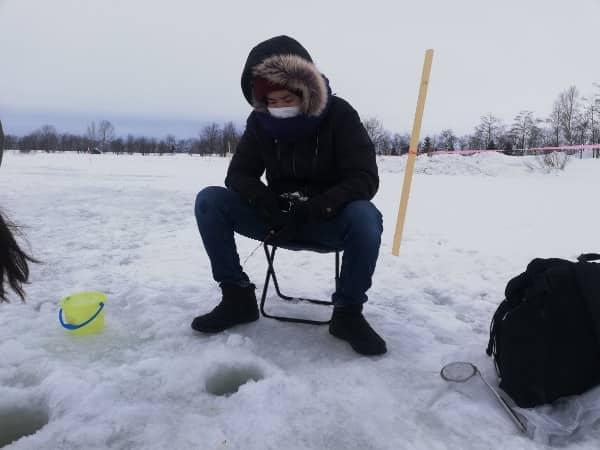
x,y
208,197
363,217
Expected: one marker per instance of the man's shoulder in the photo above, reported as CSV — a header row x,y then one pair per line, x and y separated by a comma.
x,y
251,119
252,125
340,105
341,112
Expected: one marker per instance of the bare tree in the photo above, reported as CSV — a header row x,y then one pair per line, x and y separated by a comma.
x,y
117,146
143,145
580,129
130,144
48,138
592,112
210,138
171,143
570,109
596,123
11,142
488,130
464,142
555,123
186,145
400,144
229,138
68,142
105,133
378,135
525,131
447,139
101,135
92,134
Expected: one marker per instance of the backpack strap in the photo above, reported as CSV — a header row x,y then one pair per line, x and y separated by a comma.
x,y
586,257
495,325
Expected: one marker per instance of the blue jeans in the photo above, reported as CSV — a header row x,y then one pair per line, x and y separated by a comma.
x,y
356,229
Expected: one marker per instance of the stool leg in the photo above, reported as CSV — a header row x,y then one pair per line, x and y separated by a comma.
x,y
271,263
271,274
275,282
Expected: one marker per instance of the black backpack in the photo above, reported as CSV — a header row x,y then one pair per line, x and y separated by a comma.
x,y
545,335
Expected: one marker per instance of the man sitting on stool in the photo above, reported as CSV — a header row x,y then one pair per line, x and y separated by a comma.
x,y
321,174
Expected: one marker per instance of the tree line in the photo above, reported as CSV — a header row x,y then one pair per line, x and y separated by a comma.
x,y
100,137
574,120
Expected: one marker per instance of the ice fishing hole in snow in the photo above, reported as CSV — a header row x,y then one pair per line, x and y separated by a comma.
x,y
226,380
20,421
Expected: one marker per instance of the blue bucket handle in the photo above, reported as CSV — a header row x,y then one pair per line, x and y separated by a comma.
x,y
68,326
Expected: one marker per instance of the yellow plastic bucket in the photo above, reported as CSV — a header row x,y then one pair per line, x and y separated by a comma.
x,y
83,312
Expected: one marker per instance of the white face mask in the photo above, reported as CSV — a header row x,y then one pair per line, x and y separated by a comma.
x,y
285,112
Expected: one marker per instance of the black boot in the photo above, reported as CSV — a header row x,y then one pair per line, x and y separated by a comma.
x,y
348,323
238,305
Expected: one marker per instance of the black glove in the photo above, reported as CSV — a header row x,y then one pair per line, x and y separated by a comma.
x,y
284,233
284,226
267,206
303,212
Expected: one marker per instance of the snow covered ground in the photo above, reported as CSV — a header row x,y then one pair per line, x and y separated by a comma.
x,y
124,225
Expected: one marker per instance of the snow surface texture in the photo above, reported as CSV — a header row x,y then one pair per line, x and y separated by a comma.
x,y
124,225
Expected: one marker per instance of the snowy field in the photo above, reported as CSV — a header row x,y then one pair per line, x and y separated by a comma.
x,y
124,225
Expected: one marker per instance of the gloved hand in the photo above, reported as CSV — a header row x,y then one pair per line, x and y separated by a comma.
x,y
283,234
303,212
284,227
267,206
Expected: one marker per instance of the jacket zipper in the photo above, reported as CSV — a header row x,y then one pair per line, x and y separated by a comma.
x,y
294,160
315,156
278,149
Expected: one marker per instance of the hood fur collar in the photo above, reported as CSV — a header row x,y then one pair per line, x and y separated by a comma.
x,y
296,74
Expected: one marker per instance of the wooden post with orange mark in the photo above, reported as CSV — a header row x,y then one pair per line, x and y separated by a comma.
x,y
412,151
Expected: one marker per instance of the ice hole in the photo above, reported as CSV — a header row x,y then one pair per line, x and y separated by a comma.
x,y
17,422
227,380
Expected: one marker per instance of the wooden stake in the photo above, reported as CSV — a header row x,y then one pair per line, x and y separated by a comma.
x,y
412,151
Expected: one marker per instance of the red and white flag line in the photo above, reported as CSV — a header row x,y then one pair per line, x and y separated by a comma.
x,y
565,148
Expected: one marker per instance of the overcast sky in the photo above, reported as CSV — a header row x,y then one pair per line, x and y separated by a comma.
x,y
156,67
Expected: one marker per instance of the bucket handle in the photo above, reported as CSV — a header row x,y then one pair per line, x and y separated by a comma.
x,y
68,326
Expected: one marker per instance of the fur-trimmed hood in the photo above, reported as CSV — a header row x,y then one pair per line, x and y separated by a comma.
x,y
282,60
